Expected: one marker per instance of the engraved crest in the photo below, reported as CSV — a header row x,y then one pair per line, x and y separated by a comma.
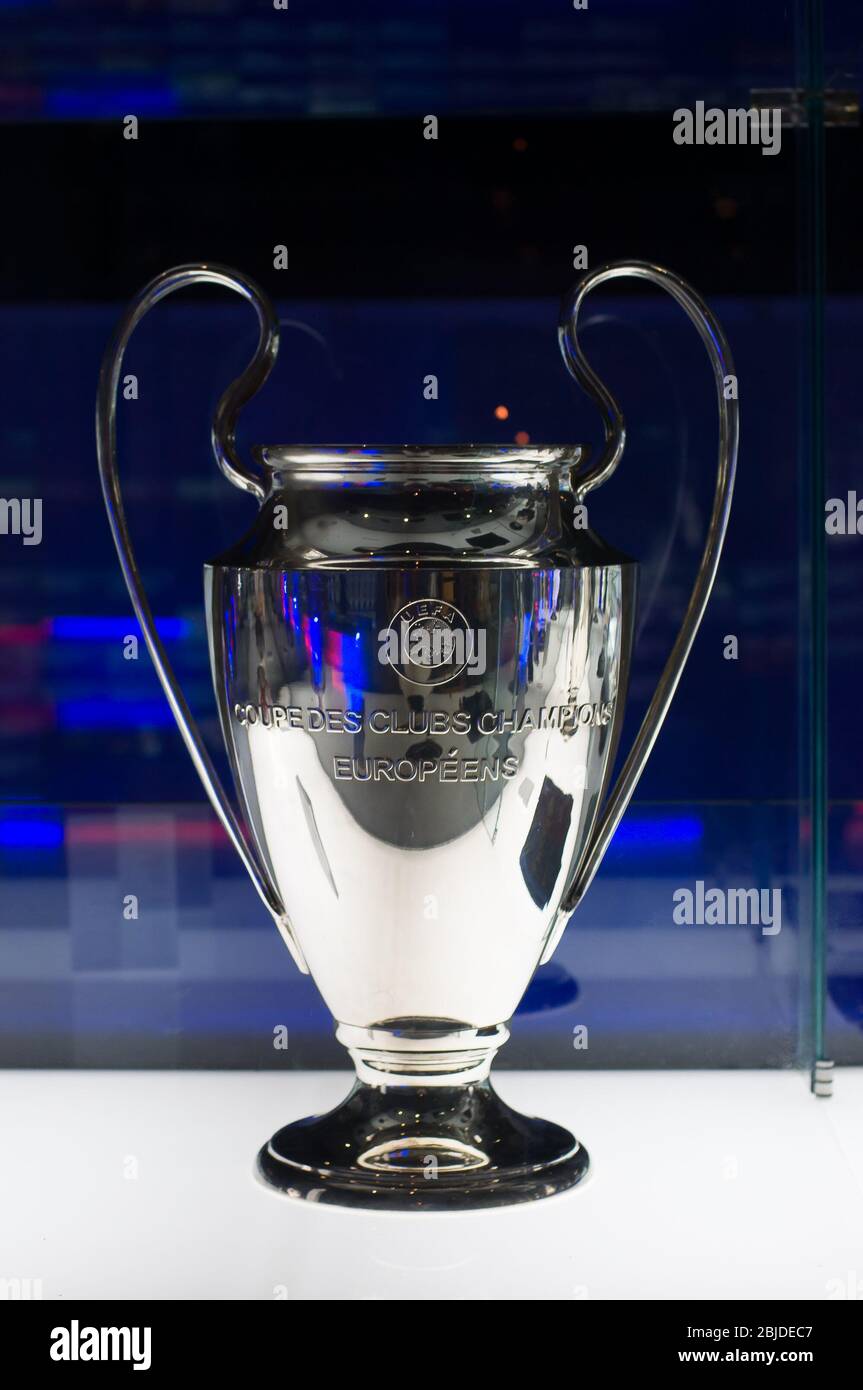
x,y
429,642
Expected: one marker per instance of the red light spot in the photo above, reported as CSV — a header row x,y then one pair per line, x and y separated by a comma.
x,y
522,437
501,412
519,144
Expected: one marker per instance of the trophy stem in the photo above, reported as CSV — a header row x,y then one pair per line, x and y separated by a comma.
x,y
422,1130
422,1052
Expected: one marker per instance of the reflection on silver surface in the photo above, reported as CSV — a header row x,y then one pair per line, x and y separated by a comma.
x,y
436,827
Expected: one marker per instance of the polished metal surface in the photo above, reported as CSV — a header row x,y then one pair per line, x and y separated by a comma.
x,y
420,658
411,508
421,833
441,1148
226,457
727,398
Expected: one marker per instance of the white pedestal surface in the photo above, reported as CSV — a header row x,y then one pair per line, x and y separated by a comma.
x,y
140,1185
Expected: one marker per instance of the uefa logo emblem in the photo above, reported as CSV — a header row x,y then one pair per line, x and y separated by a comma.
x,y
429,643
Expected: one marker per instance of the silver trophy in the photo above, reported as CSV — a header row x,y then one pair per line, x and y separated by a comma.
x,y
421,658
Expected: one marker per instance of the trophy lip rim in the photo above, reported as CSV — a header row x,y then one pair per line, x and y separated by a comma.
x,y
304,457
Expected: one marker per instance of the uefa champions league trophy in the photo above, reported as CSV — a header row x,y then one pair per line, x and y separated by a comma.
x,y
421,663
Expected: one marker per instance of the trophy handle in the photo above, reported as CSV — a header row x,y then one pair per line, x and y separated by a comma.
x,y
615,436
224,448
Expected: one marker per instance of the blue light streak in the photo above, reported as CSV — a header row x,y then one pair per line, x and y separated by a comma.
x,y
87,629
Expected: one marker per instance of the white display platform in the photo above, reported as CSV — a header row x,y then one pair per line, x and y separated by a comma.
x,y
703,1185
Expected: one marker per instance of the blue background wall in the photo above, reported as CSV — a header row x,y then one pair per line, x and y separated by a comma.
x,y
408,258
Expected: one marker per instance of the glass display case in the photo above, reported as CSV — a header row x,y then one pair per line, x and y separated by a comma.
x,y
416,190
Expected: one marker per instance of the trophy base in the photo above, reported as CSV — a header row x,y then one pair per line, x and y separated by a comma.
x,y
422,1148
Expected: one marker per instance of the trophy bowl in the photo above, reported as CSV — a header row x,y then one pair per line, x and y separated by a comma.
x,y
420,658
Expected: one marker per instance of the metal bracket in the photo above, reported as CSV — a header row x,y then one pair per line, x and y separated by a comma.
x,y
822,1079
